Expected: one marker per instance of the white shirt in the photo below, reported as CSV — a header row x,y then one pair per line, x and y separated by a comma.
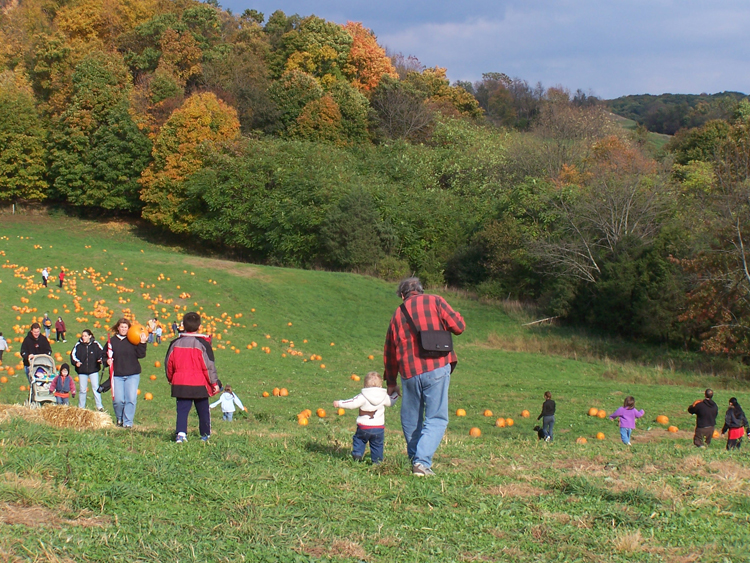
x,y
371,403
3,343
227,402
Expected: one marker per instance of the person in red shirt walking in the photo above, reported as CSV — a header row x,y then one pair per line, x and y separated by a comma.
x,y
191,372
425,377
62,277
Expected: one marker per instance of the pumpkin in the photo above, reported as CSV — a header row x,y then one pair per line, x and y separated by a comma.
x,y
593,411
157,364
22,388
138,392
276,391
525,414
134,333
340,412
266,394
500,423
302,421
152,377
3,379
487,412
581,440
717,434
475,432
661,419
602,413
600,435
370,357
355,377
321,413
672,429
509,421
307,413
460,412
148,396
283,392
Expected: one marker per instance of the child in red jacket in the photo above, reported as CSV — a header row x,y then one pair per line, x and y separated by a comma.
x,y
62,386
192,373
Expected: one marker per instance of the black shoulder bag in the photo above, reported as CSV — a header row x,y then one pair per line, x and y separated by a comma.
x,y
432,343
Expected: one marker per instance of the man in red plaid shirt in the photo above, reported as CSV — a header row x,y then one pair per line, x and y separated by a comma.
x,y
425,380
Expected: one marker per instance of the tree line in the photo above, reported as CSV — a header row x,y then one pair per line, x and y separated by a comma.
x,y
296,141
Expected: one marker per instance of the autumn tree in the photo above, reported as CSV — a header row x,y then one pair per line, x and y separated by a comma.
x,y
202,121
97,151
719,302
619,198
320,120
291,93
315,47
367,62
22,138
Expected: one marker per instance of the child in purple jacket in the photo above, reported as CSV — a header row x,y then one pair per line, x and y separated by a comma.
x,y
627,414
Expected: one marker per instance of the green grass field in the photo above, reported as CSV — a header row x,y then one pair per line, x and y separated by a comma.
x,y
266,489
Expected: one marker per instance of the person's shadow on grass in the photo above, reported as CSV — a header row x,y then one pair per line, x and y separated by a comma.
x,y
330,450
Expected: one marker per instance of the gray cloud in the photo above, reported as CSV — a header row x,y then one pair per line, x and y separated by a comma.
x,y
612,47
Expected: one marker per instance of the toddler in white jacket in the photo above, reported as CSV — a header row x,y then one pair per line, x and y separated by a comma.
x,y
227,400
371,403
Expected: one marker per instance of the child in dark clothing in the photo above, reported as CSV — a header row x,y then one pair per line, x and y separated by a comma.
x,y
62,386
735,422
548,416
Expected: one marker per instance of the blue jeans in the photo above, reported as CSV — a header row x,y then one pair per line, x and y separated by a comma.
x,y
227,416
548,423
62,400
83,379
625,435
124,397
376,437
424,413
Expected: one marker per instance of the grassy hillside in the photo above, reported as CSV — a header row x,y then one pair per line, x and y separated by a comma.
x,y
266,489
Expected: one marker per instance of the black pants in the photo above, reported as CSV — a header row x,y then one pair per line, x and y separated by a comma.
x,y
204,415
60,336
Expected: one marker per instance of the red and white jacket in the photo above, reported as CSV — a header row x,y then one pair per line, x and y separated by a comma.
x,y
190,366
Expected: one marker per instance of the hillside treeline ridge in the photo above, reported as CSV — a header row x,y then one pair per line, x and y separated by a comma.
x,y
296,141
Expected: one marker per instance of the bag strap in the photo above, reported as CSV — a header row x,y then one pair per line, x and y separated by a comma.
x,y
409,319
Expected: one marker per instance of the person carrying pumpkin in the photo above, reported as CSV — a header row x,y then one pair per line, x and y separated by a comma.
x,y
705,412
371,403
191,372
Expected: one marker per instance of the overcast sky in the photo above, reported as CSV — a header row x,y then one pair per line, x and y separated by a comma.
x,y
609,47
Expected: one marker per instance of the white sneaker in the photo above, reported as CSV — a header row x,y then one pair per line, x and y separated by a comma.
x,y
181,437
419,470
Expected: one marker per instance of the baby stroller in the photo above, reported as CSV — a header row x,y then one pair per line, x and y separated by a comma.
x,y
41,374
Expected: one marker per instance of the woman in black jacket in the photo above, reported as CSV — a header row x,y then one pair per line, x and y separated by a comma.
x,y
86,356
735,422
125,371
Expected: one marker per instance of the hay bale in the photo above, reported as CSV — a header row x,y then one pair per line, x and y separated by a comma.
x,y
59,416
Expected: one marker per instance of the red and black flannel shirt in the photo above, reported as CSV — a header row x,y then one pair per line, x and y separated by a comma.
x,y
401,354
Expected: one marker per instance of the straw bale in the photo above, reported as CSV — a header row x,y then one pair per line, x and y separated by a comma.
x,y
58,415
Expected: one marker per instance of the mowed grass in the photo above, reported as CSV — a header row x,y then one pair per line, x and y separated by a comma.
x,y
266,489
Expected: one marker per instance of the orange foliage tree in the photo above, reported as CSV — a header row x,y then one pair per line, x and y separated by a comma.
x,y
178,152
320,120
367,62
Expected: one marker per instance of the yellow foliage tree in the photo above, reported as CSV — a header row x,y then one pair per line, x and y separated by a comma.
x,y
203,120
